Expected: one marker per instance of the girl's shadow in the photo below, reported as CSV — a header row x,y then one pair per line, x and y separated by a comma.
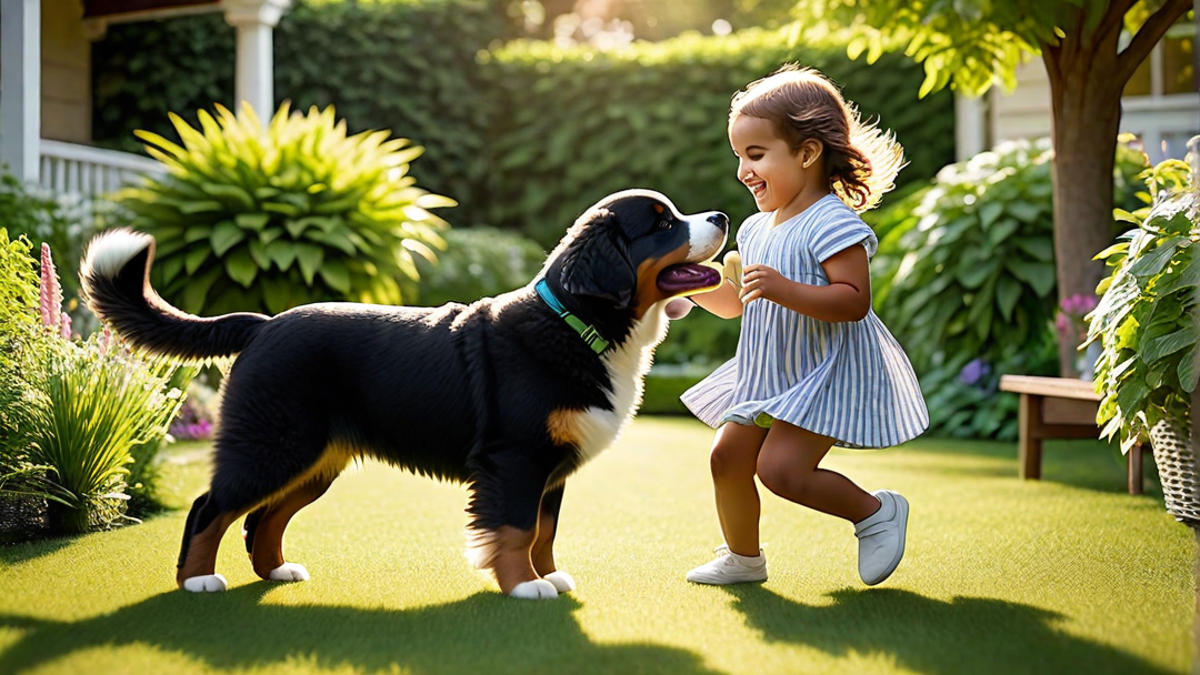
x,y
980,636
485,632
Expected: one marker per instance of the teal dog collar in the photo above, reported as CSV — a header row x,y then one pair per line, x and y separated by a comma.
x,y
586,331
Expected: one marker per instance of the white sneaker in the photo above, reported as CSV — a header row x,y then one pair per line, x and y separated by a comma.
x,y
881,538
730,568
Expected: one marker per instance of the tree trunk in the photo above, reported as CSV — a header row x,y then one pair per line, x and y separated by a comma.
x,y
1086,121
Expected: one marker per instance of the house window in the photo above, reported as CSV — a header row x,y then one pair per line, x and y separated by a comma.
x,y
1160,104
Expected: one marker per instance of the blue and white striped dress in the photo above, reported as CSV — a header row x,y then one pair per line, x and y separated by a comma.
x,y
847,380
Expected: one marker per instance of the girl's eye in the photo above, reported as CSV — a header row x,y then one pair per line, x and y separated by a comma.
x,y
754,158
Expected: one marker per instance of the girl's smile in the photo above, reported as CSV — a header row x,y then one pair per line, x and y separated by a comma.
x,y
779,179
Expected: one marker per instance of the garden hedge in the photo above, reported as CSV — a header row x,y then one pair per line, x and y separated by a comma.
x,y
523,135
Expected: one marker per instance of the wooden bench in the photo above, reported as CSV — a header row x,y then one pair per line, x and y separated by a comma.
x,y
1059,407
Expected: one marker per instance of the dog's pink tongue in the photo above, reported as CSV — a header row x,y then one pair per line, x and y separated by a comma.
x,y
688,278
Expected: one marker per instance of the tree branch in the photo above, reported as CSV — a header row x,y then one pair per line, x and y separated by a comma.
x,y
1114,17
1147,36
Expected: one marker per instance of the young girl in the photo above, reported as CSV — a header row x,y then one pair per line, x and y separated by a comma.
x,y
814,366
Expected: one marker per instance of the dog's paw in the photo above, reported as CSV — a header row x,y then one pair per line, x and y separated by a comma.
x,y
562,581
538,589
209,583
289,572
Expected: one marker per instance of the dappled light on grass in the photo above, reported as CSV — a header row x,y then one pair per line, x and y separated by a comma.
x,y
1067,574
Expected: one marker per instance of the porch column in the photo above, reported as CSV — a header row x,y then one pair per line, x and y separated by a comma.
x,y
21,87
255,21
971,126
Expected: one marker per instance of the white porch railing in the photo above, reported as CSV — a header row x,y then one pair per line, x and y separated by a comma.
x,y
91,172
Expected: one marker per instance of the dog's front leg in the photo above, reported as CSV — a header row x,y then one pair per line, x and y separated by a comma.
x,y
543,548
504,527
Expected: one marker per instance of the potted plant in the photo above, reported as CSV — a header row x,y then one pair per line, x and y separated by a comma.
x,y
1148,329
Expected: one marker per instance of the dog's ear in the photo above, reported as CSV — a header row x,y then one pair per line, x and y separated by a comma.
x,y
597,262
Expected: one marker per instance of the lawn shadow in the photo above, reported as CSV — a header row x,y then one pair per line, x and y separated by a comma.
x,y
981,636
486,632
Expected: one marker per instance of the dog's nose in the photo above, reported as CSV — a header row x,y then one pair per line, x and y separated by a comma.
x,y
720,220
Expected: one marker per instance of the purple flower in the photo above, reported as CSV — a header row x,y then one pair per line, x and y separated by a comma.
x,y
974,371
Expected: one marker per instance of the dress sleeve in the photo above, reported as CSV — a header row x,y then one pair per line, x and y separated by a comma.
x,y
839,229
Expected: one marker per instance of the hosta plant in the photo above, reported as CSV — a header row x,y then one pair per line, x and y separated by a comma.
x,y
965,275
1145,319
253,218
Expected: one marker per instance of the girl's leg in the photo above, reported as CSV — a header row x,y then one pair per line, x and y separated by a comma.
x,y
787,466
734,460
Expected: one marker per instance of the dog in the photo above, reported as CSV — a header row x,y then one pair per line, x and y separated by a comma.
x,y
509,395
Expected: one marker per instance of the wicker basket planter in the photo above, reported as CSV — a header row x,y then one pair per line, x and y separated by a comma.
x,y
1176,462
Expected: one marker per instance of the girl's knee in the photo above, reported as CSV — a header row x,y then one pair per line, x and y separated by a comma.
x,y
782,477
729,460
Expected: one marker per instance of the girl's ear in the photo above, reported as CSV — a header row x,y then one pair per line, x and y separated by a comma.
x,y
810,152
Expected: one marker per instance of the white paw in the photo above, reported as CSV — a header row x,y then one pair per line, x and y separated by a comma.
x,y
289,572
562,581
211,583
538,589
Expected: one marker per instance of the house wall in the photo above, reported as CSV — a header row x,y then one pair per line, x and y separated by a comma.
x,y
66,73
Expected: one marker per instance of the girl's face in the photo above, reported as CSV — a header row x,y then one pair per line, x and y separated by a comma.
x,y
766,165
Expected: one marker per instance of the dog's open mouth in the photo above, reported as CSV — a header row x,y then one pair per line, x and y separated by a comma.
x,y
688,279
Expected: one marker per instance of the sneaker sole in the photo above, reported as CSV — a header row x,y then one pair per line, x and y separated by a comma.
x,y
708,581
902,517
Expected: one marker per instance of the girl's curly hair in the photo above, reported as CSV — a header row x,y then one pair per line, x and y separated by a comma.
x,y
861,160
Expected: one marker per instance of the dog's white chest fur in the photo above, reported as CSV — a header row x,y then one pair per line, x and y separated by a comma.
x,y
627,367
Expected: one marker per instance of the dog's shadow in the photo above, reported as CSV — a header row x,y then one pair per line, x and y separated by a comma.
x,y
982,636
485,632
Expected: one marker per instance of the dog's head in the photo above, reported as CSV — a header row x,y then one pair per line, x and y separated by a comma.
x,y
634,249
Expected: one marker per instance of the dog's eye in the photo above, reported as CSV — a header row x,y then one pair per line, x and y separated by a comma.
x,y
664,225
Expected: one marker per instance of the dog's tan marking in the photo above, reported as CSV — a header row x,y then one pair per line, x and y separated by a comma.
x,y
202,551
268,536
511,562
543,549
563,426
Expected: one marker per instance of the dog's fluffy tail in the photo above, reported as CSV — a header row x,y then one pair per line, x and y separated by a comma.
x,y
115,275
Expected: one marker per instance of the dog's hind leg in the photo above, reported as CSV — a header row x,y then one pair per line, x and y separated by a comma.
x,y
265,540
206,524
543,548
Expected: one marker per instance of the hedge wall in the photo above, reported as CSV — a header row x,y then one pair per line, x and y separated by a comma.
x,y
524,136
579,124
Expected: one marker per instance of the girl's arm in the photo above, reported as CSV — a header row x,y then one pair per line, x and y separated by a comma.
x,y
846,298
722,301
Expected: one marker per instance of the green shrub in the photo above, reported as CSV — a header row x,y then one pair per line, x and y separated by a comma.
x,y
965,279
478,262
1145,320
18,332
523,136
266,219
62,221
580,123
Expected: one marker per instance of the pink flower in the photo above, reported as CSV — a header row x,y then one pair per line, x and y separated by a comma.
x,y
50,295
65,326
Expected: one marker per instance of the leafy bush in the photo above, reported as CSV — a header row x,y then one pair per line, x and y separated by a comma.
x,y
524,136
478,262
62,221
965,275
404,65
579,123
266,219
1146,321
18,332
81,414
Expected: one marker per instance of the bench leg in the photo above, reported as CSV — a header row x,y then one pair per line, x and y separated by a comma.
x,y
1133,464
1029,441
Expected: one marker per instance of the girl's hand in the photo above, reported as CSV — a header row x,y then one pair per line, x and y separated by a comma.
x,y
760,281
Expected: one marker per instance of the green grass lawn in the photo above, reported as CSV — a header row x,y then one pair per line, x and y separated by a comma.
x,y
1065,575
